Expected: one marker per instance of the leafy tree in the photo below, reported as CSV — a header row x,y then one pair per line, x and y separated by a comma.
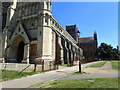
x,y
106,51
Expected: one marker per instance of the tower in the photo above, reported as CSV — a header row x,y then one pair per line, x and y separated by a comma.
x,y
29,32
95,35
45,33
95,39
73,31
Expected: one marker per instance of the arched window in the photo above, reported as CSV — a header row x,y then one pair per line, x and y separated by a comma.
x,y
46,18
47,3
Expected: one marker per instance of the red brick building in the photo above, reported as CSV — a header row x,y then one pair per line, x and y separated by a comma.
x,y
89,45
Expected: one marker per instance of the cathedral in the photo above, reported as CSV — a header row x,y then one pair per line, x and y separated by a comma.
x,y
31,34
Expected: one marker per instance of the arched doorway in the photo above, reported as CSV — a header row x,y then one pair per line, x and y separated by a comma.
x,y
20,52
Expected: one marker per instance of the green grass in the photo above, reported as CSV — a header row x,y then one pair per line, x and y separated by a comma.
x,y
9,75
99,64
115,65
82,83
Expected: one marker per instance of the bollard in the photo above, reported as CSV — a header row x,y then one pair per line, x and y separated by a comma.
x,y
79,67
50,64
43,65
35,67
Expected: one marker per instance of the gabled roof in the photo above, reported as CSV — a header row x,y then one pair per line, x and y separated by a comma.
x,y
24,30
86,39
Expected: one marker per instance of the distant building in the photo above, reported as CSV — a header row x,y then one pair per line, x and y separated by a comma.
x,y
89,45
73,31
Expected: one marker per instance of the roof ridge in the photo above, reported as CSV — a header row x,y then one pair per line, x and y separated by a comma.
x,y
86,37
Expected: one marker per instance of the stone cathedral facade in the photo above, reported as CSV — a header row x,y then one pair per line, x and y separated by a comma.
x,y
33,35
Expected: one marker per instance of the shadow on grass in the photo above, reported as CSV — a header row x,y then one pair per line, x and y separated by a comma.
x,y
10,74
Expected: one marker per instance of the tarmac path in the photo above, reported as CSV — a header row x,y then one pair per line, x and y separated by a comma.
x,y
30,81
105,71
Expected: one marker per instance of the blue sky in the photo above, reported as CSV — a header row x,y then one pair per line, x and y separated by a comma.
x,y
90,16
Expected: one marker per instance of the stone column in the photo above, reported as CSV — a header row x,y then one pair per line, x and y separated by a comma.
x,y
25,54
28,53
81,54
67,53
5,37
72,54
61,50
48,5
44,40
75,53
73,49
44,23
49,22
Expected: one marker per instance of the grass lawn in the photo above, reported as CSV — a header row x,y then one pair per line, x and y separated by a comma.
x,y
9,75
82,83
100,64
115,65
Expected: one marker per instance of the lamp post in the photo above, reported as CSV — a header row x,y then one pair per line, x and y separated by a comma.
x,y
79,52
79,66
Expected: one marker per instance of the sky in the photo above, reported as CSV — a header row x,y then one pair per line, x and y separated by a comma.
x,y
89,16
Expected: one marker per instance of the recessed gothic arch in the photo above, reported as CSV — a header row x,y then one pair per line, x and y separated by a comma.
x,y
20,52
17,49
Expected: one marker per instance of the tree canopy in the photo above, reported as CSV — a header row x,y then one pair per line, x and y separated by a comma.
x,y
106,51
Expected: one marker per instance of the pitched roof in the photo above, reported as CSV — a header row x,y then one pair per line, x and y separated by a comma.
x,y
86,39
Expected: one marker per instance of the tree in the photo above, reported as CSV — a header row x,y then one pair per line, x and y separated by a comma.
x,y
106,51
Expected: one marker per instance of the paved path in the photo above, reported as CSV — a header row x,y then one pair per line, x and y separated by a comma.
x,y
105,71
107,66
30,81
85,76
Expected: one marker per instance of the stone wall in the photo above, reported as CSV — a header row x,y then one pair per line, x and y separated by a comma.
x,y
48,65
